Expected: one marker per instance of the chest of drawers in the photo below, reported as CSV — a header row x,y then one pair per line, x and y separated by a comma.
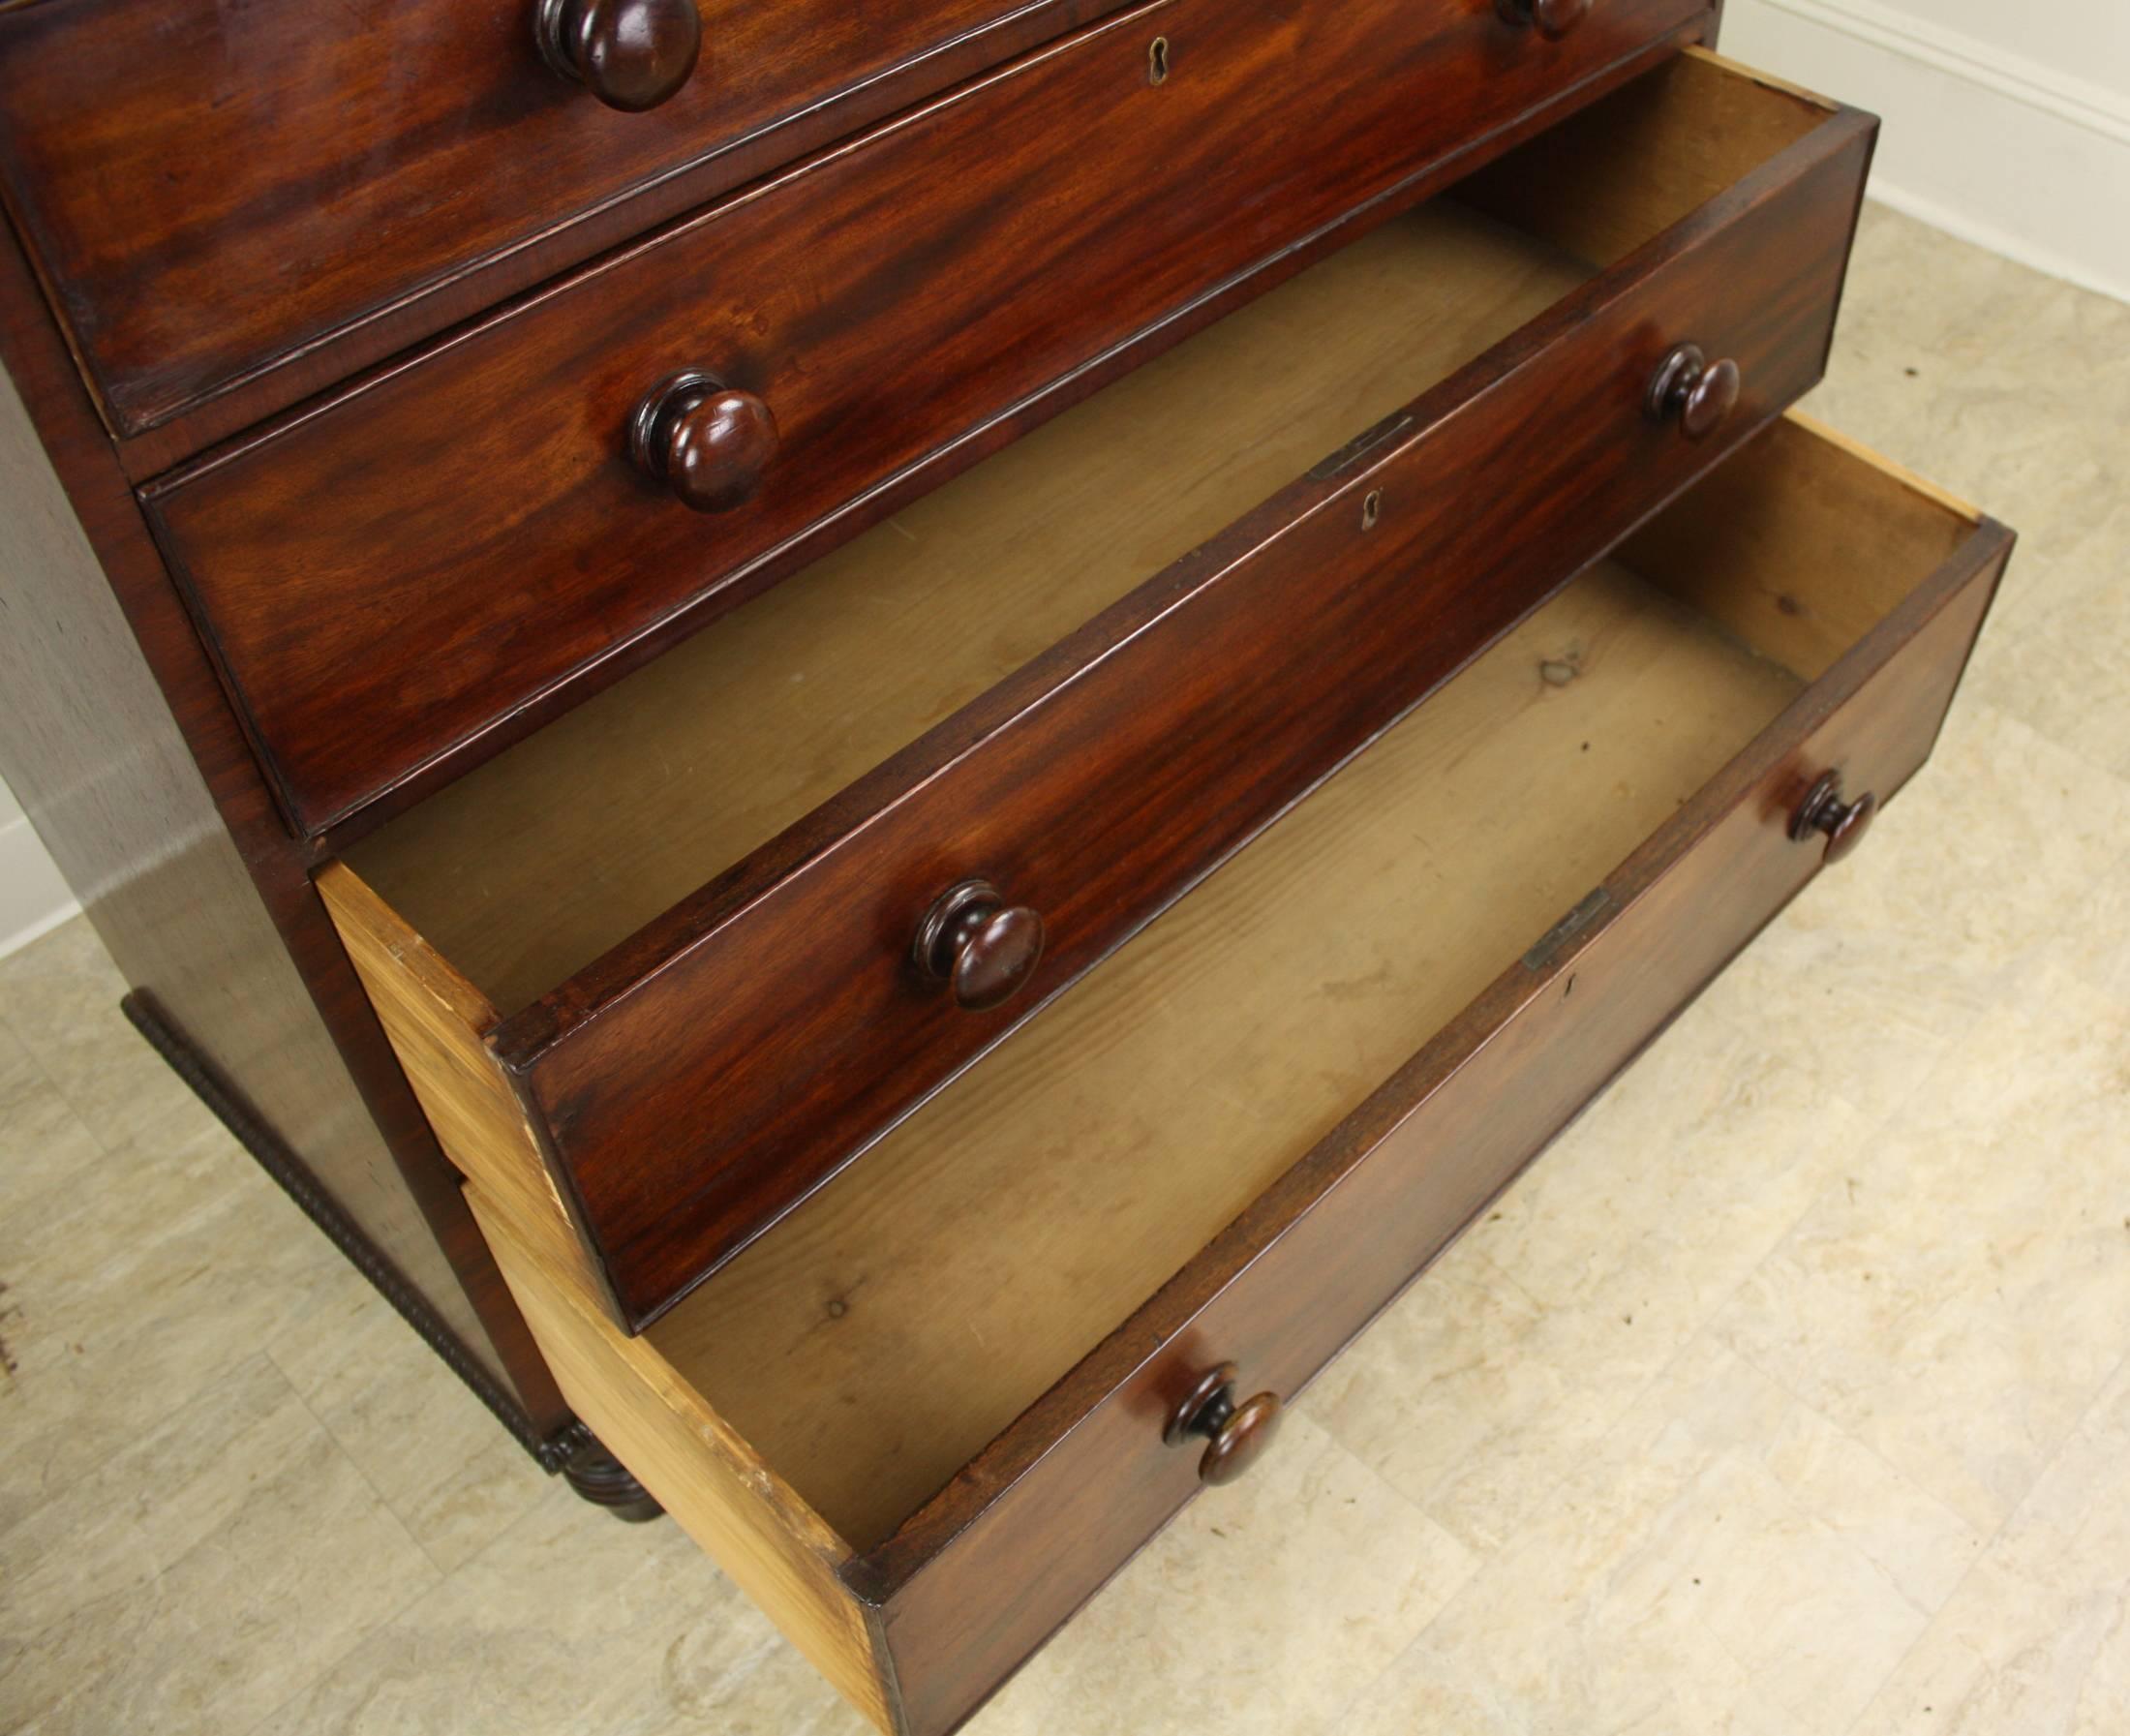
x,y
894,759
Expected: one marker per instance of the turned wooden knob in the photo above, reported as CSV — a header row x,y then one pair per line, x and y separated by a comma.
x,y
631,54
972,940
1823,810
708,441
1694,392
1551,18
1235,1435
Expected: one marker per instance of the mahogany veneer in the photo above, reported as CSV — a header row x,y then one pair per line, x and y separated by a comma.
x,y
237,206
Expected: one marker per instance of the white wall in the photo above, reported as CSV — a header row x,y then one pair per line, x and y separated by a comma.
x,y
2008,121
33,898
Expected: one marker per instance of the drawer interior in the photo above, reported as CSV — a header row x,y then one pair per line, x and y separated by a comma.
x,y
884,1332
531,869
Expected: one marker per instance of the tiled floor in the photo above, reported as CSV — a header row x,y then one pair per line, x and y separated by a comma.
x,y
1789,1395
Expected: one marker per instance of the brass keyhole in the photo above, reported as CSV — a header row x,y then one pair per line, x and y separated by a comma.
x,y
1157,61
1372,509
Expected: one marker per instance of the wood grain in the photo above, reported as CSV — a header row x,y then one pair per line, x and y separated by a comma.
x,y
712,750
725,1058
438,1023
908,1312
1760,592
393,576
236,206
1605,179
525,871
705,1474
1234,1033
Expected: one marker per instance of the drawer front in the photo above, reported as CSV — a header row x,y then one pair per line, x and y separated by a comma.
x,y
400,580
1084,1478
216,191
709,1075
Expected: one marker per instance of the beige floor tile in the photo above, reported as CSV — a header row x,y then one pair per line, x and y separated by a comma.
x,y
570,1623
728,1673
2002,848
161,1268
43,1144
456,1481
194,1580
1723,1560
1486,1386
1957,1300
1271,1600
1475,1401
2036,1640
2065,669
59,997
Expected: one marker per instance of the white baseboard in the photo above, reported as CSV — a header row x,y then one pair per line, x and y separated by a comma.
x,y
1967,226
34,900
1994,65
2025,159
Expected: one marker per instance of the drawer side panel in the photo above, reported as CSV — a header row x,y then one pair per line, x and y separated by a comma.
x,y
437,1022
776,1548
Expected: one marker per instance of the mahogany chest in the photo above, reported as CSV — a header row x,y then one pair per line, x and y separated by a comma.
x,y
893,747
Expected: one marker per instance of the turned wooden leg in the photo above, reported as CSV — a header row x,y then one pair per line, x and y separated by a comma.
x,y
604,1480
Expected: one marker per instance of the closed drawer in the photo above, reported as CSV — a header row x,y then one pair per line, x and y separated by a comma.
x,y
399,579
923,1419
686,916
253,202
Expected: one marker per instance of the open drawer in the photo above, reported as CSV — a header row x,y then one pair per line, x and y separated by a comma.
x,y
932,1410
675,937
